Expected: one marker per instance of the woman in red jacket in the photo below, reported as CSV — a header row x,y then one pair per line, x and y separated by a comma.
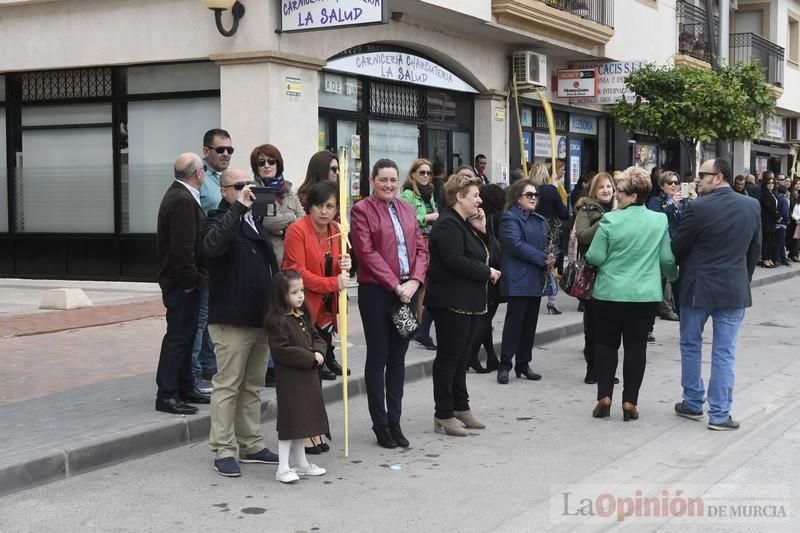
x,y
312,247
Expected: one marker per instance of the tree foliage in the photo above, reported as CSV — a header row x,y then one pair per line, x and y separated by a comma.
x,y
694,104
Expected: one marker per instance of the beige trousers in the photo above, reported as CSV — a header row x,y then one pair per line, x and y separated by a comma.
x,y
235,402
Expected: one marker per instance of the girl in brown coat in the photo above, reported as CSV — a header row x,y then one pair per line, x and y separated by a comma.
x,y
297,350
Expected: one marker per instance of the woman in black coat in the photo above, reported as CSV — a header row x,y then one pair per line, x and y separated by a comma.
x,y
457,281
769,218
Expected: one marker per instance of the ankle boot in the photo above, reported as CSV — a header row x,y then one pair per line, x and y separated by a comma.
x,y
629,412
450,426
384,438
469,420
603,408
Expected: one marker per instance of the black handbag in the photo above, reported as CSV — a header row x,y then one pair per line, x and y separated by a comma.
x,y
405,320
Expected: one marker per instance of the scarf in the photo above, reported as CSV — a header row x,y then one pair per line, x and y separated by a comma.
x,y
277,185
607,207
426,193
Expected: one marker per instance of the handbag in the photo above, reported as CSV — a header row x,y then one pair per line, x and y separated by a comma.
x,y
405,320
568,277
584,280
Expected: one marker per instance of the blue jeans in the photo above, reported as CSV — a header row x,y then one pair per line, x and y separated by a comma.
x,y
726,322
203,359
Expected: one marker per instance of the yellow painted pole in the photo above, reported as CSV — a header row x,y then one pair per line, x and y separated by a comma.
x,y
551,125
794,163
523,157
344,230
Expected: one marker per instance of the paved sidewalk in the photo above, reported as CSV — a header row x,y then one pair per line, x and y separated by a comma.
x,y
75,400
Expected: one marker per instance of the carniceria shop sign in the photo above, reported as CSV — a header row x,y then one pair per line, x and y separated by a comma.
x,y
304,15
400,66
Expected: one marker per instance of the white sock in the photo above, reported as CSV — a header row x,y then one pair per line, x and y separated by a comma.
x,y
299,453
284,452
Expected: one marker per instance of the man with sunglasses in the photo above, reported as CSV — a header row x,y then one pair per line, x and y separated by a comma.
x,y
717,245
241,263
217,152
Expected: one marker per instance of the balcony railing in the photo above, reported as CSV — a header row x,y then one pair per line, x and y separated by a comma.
x,y
600,11
752,48
692,31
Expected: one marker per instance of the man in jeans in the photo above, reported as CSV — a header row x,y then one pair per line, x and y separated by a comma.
x,y
717,245
241,263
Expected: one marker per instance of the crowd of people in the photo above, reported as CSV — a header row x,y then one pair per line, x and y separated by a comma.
x,y
254,300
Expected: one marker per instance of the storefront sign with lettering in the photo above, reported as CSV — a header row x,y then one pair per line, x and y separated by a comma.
x,y
400,66
611,81
303,15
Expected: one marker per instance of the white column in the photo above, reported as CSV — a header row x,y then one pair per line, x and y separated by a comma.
x,y
256,107
492,135
741,158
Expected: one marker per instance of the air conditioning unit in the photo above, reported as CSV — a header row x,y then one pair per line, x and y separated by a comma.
x,y
530,68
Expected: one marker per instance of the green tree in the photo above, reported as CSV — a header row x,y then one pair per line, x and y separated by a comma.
x,y
694,104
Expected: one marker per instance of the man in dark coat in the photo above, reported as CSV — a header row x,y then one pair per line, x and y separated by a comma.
x,y
182,278
716,246
241,263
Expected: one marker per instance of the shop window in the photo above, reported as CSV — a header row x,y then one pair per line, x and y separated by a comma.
x,y
526,116
337,91
560,118
156,132
397,101
66,161
182,77
82,83
3,172
393,140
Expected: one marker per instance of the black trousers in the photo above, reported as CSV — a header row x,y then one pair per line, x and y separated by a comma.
x,y
780,246
768,251
384,370
519,331
453,335
483,334
174,373
630,323
589,338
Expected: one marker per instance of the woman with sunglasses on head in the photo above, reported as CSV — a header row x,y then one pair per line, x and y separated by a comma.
x,y
323,166
313,249
267,164
523,236
418,191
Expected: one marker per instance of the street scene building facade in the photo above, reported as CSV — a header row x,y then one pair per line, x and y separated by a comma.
x,y
97,98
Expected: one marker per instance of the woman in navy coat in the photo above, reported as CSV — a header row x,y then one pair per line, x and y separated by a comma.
x,y
523,234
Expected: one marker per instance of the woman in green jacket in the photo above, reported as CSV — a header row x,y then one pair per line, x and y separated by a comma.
x,y
419,192
631,248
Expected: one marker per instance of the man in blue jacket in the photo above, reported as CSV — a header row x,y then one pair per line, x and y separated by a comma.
x,y
716,246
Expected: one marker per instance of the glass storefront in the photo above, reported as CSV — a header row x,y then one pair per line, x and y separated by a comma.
x,y
93,154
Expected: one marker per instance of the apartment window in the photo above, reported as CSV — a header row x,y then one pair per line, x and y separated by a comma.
x,y
793,39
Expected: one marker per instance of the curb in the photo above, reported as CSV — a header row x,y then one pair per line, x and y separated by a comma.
x,y
139,442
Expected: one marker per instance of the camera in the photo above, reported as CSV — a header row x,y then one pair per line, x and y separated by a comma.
x,y
264,204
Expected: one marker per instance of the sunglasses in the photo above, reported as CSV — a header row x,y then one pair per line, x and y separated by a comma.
x,y
530,195
334,169
268,161
424,172
239,185
672,182
221,149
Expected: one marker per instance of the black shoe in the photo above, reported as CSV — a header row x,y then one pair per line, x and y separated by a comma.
x,y
671,316
326,374
174,406
528,373
729,425
651,337
552,309
590,379
195,396
313,450
385,438
427,342
264,456
335,367
682,410
475,365
502,376
397,435
269,380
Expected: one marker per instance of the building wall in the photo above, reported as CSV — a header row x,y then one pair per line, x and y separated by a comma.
x,y
644,29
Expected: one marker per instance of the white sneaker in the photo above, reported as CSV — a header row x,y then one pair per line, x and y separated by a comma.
x,y
310,470
287,476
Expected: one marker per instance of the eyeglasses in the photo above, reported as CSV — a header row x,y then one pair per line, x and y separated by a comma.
x,y
704,174
239,185
268,161
530,195
334,169
221,149
672,182
424,172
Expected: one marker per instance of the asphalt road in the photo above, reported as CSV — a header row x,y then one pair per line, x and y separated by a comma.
x,y
543,463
